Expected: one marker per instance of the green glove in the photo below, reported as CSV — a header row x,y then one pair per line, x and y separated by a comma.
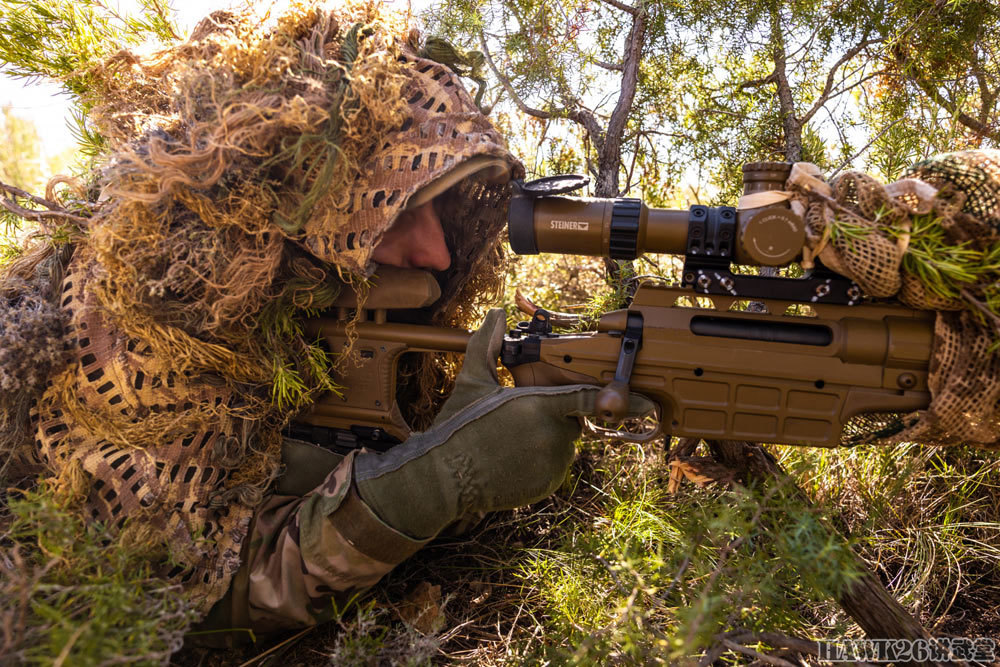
x,y
490,448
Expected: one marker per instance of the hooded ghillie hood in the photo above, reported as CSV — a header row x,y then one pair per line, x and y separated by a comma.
x,y
256,170
250,172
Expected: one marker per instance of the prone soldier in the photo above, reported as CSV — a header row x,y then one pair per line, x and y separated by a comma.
x,y
276,166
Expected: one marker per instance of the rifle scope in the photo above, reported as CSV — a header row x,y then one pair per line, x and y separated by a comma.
x,y
540,220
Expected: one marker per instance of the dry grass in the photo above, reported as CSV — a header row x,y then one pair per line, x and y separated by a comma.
x,y
612,568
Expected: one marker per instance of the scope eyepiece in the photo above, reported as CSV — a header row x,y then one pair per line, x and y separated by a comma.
x,y
521,225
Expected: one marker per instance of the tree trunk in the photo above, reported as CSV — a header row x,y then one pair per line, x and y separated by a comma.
x,y
786,102
610,153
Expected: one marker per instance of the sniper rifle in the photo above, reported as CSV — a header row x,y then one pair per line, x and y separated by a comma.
x,y
812,356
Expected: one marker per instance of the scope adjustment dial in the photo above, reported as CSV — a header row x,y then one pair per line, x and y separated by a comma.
x,y
626,214
773,236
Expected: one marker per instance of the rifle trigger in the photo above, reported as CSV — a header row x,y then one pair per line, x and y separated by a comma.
x,y
612,434
611,403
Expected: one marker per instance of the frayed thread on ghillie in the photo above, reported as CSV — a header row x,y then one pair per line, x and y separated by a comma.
x,y
186,300
31,340
464,63
240,195
260,122
32,345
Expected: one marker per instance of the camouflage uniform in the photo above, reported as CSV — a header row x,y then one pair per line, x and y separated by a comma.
x,y
164,474
310,544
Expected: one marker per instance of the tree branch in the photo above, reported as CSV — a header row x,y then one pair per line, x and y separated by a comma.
x,y
840,91
916,76
610,152
757,83
753,653
622,6
54,211
831,76
866,147
505,82
723,112
988,97
582,117
775,639
646,134
786,102
611,67
589,122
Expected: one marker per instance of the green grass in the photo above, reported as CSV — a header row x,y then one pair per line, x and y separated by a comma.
x,y
75,594
614,570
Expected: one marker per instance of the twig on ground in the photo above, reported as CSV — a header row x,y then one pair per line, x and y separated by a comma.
x,y
256,659
762,657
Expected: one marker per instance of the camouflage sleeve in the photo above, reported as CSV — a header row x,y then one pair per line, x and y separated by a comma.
x,y
310,554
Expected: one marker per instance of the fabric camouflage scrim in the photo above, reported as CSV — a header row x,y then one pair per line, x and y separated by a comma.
x,y
152,330
251,171
932,241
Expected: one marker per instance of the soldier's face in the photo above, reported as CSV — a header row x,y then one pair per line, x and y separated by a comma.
x,y
415,241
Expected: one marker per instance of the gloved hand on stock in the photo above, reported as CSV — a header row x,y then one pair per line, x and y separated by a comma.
x,y
490,448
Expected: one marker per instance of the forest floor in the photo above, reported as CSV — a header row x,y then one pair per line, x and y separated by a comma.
x,y
613,568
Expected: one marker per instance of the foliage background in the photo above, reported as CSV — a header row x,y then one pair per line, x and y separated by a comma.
x,y
613,567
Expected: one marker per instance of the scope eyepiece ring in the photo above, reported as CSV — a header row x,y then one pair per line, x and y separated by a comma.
x,y
624,241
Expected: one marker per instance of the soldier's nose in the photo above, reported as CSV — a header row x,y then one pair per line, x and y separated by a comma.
x,y
415,240
429,249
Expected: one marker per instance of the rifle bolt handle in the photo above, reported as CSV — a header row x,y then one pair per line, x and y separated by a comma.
x,y
611,403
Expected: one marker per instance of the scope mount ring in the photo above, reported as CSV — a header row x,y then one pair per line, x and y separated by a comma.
x,y
550,185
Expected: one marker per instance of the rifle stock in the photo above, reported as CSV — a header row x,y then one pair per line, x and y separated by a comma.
x,y
369,404
748,376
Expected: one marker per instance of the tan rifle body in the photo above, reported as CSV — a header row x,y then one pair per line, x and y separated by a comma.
x,y
714,372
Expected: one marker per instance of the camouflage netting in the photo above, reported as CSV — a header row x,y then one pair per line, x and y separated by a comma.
x,y
932,240
251,170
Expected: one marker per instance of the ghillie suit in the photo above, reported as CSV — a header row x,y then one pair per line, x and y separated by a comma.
x,y
932,240
32,347
252,171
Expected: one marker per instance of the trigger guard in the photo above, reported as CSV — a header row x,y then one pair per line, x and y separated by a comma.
x,y
612,434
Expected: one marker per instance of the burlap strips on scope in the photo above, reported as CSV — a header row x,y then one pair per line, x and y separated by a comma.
x,y
863,230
